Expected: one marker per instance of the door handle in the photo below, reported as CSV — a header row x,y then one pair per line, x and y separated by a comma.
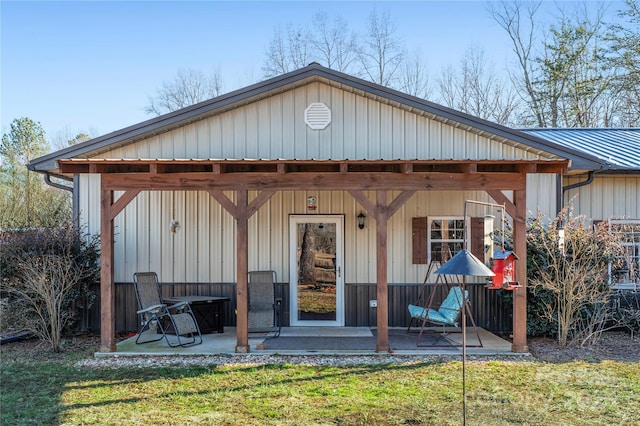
x,y
338,270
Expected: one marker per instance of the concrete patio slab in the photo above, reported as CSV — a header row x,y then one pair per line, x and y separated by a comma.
x,y
225,343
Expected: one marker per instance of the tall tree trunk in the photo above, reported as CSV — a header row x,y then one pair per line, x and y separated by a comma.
x,y
307,255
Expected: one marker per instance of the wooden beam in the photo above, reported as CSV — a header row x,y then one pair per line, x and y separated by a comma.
x,y
520,294
382,291
470,168
317,181
364,201
398,202
257,202
129,165
123,202
242,272
107,293
500,198
225,202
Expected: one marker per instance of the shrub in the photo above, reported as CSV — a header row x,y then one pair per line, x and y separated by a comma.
x,y
46,277
626,310
570,259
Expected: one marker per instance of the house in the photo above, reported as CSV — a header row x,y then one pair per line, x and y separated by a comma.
x,y
609,194
374,179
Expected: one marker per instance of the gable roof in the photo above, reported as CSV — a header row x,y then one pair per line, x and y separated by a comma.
x,y
311,73
620,148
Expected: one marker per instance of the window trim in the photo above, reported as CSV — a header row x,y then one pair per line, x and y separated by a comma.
x,y
632,282
464,240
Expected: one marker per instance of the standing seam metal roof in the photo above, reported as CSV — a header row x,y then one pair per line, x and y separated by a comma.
x,y
620,148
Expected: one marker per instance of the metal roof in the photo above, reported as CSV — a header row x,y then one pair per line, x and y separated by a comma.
x,y
620,148
313,72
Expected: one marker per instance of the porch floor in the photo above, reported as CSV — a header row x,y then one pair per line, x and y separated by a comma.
x,y
225,343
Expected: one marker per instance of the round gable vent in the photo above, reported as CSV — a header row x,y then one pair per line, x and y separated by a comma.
x,y
317,116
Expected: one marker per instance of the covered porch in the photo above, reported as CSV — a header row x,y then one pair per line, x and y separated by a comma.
x,y
392,181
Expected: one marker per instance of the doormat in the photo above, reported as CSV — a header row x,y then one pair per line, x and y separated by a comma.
x,y
399,339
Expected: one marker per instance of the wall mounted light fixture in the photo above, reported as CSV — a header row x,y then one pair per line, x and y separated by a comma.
x,y
361,218
174,226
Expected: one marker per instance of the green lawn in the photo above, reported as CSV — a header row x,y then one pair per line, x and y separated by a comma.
x,y
522,392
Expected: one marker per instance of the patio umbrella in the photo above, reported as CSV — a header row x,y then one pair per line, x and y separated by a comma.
x,y
466,264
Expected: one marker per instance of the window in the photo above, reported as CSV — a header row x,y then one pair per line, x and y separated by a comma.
x,y
445,238
625,273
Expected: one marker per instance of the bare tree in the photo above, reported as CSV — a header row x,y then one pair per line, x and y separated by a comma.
x,y
414,77
66,137
475,89
187,88
518,20
574,75
625,57
288,50
382,52
333,43
561,69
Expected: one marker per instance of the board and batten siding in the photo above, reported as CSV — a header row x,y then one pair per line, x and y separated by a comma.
x,y
608,196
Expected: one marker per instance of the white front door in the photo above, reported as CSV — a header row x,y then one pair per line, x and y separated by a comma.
x,y
316,270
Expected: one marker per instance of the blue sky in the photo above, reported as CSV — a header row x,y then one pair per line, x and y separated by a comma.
x,y
91,66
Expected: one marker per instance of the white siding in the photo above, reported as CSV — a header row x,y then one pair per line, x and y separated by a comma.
x,y
606,197
203,249
361,128
541,195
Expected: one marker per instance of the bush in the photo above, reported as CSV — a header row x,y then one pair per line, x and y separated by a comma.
x,y
46,278
568,295
626,310
569,261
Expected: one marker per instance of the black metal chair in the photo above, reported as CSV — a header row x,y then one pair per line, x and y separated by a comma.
x,y
176,319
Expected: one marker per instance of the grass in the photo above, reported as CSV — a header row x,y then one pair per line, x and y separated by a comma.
x,y
316,301
498,393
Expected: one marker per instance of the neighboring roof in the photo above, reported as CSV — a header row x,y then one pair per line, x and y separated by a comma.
x,y
620,148
310,73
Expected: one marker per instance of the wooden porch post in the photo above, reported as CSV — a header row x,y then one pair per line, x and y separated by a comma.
x,y
382,212
241,212
382,343
518,212
242,270
108,211
107,294
520,294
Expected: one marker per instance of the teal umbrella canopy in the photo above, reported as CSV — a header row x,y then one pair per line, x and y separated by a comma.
x,y
465,263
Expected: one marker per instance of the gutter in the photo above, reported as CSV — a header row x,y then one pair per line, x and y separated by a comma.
x,y
48,181
560,193
75,198
579,184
